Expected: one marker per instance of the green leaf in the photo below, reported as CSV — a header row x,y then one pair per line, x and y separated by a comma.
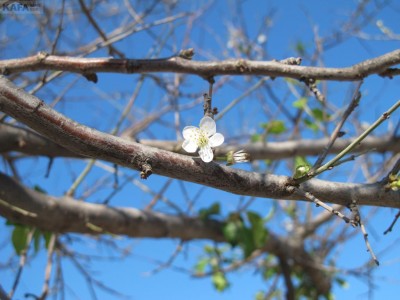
x,y
47,235
302,166
219,281
201,265
20,238
274,127
256,138
318,114
258,230
36,240
246,241
342,282
300,103
208,249
310,124
260,295
231,233
214,209
300,48
269,273
300,161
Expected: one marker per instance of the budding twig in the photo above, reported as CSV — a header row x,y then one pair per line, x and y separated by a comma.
x,y
356,221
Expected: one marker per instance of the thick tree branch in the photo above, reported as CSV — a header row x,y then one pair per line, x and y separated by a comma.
x,y
205,69
92,143
26,141
66,214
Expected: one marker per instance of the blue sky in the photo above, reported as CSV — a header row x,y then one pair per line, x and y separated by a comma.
x,y
293,22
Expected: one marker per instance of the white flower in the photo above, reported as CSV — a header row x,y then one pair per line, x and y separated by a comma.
x,y
203,138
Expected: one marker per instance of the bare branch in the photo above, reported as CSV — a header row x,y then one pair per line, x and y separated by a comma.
x,y
92,143
68,215
26,141
205,69
65,214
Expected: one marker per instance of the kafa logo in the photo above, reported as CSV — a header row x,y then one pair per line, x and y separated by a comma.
x,y
21,6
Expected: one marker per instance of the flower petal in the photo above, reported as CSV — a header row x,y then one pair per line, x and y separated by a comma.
x,y
216,140
208,125
190,133
189,146
206,154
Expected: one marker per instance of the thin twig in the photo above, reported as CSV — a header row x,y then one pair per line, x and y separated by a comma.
x,y
318,202
22,262
356,221
18,209
156,197
393,222
112,50
50,252
350,147
241,97
353,104
169,262
312,85
208,109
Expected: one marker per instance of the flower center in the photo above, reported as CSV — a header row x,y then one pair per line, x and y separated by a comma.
x,y
202,140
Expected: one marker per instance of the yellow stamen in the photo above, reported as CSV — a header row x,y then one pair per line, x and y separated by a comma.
x,y
202,140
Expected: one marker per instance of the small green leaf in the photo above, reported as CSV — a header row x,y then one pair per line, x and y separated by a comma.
x,y
274,127
302,166
342,282
208,249
201,265
47,235
260,295
268,162
300,161
258,230
246,241
219,281
20,238
231,233
300,103
36,240
269,273
300,48
310,124
256,138
214,209
317,114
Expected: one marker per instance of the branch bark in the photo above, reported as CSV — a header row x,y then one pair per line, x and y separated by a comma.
x,y
13,138
66,214
205,69
91,143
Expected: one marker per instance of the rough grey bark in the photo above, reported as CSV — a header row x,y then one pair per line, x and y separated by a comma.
x,y
13,138
91,143
205,69
70,215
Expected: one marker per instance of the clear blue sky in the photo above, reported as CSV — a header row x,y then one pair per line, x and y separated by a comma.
x,y
293,22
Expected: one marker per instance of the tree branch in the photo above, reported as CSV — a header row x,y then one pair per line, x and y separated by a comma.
x,y
66,214
13,138
205,69
92,143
